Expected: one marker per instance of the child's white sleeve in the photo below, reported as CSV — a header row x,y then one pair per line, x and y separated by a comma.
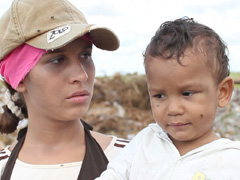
x,y
119,167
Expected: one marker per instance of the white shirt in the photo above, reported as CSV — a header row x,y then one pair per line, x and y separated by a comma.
x,y
151,155
66,171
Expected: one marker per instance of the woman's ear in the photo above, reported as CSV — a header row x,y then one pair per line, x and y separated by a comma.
x,y
21,87
225,89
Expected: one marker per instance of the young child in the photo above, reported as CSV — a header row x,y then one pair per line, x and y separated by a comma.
x,y
188,79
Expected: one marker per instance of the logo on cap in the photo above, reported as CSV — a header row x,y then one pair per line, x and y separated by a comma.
x,y
58,32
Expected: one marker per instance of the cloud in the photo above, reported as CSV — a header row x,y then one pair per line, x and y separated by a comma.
x,y
135,22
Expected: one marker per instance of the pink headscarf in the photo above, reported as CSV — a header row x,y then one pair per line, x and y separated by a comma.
x,y
15,66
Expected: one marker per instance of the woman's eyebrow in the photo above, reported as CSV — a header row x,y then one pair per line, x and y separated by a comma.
x,y
62,50
54,51
88,47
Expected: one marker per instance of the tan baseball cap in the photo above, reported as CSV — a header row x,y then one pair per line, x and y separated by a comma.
x,y
49,24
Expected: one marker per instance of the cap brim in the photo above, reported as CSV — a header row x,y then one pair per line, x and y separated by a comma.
x,y
101,37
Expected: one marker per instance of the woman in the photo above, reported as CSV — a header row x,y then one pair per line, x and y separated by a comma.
x,y
46,63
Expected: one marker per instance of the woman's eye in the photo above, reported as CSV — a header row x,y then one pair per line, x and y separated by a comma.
x,y
86,55
57,60
187,93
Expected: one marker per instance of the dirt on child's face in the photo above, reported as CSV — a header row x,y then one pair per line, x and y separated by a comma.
x,y
184,98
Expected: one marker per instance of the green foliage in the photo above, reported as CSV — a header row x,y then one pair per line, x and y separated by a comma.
x,y
236,78
235,75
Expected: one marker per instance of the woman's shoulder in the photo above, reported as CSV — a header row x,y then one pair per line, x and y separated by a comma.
x,y
117,142
115,147
111,145
106,140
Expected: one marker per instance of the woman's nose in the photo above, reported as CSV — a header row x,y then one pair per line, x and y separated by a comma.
x,y
78,73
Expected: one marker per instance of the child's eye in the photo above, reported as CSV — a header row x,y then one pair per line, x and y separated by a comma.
x,y
187,93
159,96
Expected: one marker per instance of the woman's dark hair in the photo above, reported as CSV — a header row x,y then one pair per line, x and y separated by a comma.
x,y
174,37
8,120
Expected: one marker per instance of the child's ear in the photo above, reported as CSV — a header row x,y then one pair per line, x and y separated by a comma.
x,y
225,91
21,87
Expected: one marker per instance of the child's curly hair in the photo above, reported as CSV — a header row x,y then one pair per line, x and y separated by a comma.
x,y
174,37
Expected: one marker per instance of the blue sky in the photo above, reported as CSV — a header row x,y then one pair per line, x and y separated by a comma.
x,y
135,22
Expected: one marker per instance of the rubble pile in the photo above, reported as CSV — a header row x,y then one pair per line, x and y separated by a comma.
x,y
120,107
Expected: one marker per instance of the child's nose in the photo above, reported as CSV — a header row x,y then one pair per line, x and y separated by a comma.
x,y
175,107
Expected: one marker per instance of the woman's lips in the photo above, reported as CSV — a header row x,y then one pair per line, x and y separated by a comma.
x,y
79,96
